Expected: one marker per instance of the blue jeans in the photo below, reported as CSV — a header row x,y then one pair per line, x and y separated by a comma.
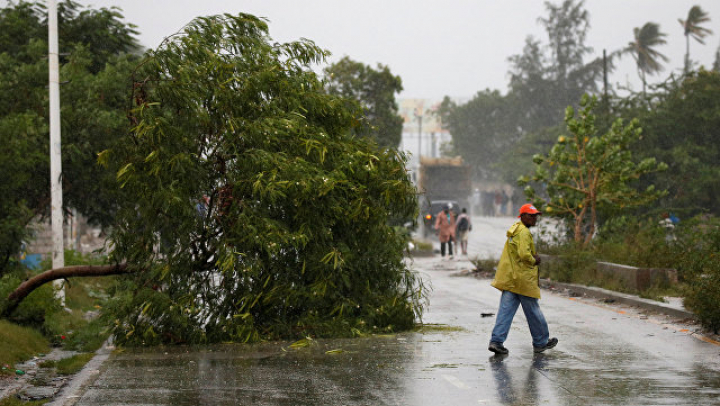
x,y
509,303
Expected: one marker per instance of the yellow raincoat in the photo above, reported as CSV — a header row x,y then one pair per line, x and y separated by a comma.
x,y
517,271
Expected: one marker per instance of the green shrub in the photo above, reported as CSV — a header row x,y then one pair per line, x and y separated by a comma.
x,y
703,296
641,242
36,307
89,338
73,257
692,247
571,264
40,310
63,323
698,258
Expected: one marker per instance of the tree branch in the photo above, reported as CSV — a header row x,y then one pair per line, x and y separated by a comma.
x,y
27,287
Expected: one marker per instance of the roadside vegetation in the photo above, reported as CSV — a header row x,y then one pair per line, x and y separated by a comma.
x,y
249,199
691,247
13,401
40,323
633,175
269,218
255,206
18,343
69,366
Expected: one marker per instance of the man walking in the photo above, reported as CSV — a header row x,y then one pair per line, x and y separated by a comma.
x,y
464,226
517,278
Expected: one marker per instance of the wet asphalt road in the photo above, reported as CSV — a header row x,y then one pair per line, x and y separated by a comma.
x,y
607,355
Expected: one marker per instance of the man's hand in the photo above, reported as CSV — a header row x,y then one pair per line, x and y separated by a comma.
x,y
537,259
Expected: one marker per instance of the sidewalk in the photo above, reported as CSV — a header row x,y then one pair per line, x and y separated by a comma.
x,y
673,309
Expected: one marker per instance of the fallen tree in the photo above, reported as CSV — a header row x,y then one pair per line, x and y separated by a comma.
x,y
250,206
27,287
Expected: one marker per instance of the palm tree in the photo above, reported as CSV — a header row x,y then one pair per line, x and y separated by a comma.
x,y
696,16
643,50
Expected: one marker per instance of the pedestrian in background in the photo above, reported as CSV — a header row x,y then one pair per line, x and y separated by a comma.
x,y
517,277
445,226
504,204
497,203
463,228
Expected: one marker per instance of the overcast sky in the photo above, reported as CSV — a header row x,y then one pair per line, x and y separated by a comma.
x,y
438,48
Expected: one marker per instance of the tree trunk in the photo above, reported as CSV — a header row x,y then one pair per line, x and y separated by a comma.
x,y
577,232
27,287
687,54
644,84
593,221
579,222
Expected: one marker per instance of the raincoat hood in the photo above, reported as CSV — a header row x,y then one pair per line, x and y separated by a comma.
x,y
515,229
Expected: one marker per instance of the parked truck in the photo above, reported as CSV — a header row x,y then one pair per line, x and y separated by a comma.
x,y
442,181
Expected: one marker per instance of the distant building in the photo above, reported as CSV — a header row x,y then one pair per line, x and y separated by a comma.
x,y
420,118
78,235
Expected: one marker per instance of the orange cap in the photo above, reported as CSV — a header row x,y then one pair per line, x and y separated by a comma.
x,y
528,209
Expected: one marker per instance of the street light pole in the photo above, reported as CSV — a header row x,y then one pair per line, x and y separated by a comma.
x,y
56,198
433,153
419,118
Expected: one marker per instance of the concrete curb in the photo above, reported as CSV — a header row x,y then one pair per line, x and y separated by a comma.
x,y
31,368
72,390
598,293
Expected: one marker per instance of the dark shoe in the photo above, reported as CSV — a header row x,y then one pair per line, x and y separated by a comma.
x,y
550,344
498,348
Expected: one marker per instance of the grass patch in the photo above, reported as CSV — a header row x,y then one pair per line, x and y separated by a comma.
x,y
485,265
13,401
89,338
579,267
660,291
48,363
423,246
39,320
87,293
19,343
437,328
72,365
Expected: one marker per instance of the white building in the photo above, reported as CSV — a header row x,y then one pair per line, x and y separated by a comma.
x,y
422,130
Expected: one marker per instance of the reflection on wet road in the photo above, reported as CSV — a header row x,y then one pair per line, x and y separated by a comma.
x,y
606,356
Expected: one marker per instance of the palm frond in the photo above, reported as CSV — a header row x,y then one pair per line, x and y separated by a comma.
x,y
696,17
643,50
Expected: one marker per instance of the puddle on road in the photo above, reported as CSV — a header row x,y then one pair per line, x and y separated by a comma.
x,y
444,366
438,328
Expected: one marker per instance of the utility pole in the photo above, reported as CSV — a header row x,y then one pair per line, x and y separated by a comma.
x,y
419,117
433,151
606,98
605,79
56,198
